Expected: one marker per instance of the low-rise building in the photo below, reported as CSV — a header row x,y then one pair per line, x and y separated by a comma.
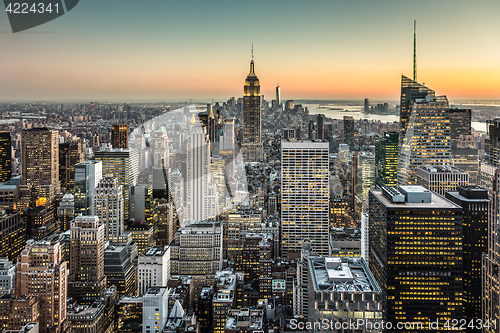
x,y
342,289
245,321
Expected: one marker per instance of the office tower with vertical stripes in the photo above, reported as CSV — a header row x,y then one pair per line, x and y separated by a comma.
x,y
304,195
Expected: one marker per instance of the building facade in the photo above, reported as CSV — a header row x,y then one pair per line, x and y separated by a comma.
x,y
304,195
87,281
410,228
252,125
386,159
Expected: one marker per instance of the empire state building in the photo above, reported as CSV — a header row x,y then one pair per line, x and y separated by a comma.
x,y
252,127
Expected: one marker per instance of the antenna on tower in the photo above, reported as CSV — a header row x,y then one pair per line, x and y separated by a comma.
x,y
252,51
415,50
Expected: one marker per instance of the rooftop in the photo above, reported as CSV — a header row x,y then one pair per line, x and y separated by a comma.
x,y
342,275
249,319
431,200
441,169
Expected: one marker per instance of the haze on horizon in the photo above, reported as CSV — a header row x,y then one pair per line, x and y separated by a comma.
x,y
328,50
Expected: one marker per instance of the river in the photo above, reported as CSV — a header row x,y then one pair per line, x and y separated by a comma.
x,y
356,112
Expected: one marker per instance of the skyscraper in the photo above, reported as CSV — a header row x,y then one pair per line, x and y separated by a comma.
x,y
119,136
441,178
122,164
367,105
5,156
320,127
410,92
466,157
252,127
278,95
410,229
349,131
198,175
488,178
460,124
86,280
41,271
366,174
304,195
386,159
70,153
88,174
474,202
492,144
108,205
424,130
40,166
144,207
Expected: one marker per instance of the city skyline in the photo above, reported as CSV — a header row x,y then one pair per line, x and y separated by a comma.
x,y
328,50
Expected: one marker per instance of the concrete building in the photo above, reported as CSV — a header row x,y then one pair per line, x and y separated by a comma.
x,y
108,205
16,312
153,269
343,290
86,281
97,317
7,276
245,320
441,178
41,272
224,299
155,309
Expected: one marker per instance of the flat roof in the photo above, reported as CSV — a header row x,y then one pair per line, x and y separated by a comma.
x,y
437,201
346,275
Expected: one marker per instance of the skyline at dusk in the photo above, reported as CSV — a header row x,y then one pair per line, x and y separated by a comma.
x,y
323,50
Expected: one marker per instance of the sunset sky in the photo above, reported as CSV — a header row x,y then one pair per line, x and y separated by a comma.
x,y
156,49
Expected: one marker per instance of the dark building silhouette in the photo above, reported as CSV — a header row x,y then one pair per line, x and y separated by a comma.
x,y
349,131
5,156
460,123
474,202
410,230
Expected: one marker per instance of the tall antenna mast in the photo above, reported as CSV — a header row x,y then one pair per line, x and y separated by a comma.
x,y
415,50
252,51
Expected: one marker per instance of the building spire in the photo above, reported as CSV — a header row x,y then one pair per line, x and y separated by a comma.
x,y
415,50
252,69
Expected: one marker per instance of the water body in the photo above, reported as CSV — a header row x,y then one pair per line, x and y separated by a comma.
x,y
356,112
